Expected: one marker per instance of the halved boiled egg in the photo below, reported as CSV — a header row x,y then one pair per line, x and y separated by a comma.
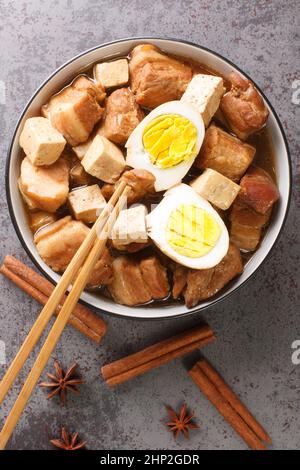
x,y
188,229
166,142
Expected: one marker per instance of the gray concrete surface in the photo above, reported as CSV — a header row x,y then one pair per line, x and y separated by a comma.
x,y
255,327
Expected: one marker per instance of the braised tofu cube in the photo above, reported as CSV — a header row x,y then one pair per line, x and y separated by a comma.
x,y
204,92
130,226
87,203
112,74
41,142
216,188
75,110
104,160
225,153
45,187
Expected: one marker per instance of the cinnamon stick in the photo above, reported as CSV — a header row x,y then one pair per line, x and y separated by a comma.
x,y
40,289
211,391
233,399
156,355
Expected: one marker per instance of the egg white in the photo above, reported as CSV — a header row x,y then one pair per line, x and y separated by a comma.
x,y
137,157
157,222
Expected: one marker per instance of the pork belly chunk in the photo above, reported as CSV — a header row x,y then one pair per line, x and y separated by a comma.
x,y
246,226
205,283
258,190
140,181
76,109
252,209
58,242
39,219
245,237
155,277
102,273
243,107
156,78
44,187
137,282
122,115
224,153
179,280
128,286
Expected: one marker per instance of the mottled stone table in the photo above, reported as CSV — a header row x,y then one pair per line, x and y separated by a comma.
x,y
256,326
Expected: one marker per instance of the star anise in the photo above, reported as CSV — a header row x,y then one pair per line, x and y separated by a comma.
x,y
68,441
62,381
182,423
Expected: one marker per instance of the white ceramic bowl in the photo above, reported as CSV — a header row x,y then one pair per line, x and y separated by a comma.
x,y
120,48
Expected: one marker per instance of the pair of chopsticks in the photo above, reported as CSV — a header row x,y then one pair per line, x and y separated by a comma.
x,y
77,273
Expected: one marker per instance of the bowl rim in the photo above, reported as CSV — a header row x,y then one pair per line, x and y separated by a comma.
x,y
198,308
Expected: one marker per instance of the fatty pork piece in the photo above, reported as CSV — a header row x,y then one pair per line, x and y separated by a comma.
x,y
258,190
246,225
140,181
156,78
252,209
225,153
76,109
200,284
44,187
58,242
122,115
137,282
243,107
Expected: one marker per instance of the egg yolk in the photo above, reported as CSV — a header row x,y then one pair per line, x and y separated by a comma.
x,y
191,231
170,139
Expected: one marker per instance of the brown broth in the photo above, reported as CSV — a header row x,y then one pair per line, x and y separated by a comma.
x,y
264,158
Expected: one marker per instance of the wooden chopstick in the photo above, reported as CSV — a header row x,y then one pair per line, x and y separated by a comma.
x,y
60,323
55,298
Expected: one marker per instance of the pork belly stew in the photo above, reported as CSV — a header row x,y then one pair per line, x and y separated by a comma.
x,y
194,150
